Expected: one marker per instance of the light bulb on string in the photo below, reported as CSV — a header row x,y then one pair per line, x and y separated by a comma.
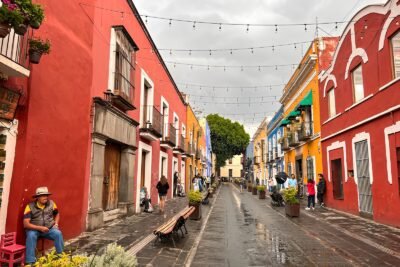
x,y
210,52
276,28
220,27
247,28
224,68
295,46
170,52
336,25
190,52
273,48
191,67
241,68
231,52
305,27
170,23
259,68
145,19
194,25
208,67
276,67
252,50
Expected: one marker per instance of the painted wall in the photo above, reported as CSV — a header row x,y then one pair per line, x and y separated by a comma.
x,y
378,111
236,167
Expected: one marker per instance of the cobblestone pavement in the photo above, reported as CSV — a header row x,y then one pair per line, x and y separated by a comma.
x,y
126,232
243,230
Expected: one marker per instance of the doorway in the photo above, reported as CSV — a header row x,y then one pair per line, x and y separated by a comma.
x,y
299,169
143,169
112,162
337,179
363,178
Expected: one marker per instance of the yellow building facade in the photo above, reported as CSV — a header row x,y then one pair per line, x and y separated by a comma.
x,y
301,141
260,151
194,147
233,168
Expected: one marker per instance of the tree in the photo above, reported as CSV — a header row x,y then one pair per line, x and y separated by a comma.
x,y
227,138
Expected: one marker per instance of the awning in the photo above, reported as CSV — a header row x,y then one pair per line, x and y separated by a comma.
x,y
293,115
306,102
284,122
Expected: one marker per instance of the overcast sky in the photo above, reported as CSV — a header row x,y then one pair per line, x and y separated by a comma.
x,y
206,100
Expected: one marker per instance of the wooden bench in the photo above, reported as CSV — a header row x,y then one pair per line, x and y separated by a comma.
x,y
172,226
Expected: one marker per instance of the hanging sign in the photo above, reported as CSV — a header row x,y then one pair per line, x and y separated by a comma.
x,y
8,103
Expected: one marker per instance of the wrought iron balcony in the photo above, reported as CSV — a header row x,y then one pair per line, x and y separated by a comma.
x,y
294,139
305,132
285,143
14,60
151,126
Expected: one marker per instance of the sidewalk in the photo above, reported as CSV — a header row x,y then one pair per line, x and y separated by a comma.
x,y
126,232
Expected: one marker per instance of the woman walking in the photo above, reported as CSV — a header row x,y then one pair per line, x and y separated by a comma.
x,y
311,194
162,187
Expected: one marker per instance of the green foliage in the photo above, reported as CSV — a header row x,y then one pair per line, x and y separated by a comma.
x,y
290,195
261,188
54,260
37,44
10,16
195,197
228,138
115,256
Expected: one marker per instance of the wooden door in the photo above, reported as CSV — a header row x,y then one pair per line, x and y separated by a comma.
x,y
143,170
337,179
112,160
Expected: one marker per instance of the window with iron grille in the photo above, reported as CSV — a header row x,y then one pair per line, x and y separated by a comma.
x,y
122,63
310,168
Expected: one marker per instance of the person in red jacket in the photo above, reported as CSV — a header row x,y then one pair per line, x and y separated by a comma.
x,y
311,194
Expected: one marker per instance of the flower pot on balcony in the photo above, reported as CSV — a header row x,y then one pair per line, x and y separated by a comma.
x,y
255,190
4,29
20,29
292,210
196,215
34,57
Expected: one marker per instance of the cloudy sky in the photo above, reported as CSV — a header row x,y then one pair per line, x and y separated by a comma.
x,y
231,92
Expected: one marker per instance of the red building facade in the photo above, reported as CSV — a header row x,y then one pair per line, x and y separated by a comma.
x,y
360,116
87,122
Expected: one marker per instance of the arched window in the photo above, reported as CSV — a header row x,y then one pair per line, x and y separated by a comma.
x,y
395,49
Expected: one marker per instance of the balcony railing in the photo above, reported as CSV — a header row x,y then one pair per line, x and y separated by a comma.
x,y
152,121
172,135
285,143
181,145
14,48
294,139
305,132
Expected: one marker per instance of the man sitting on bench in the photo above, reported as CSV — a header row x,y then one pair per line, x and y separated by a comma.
x,y
41,219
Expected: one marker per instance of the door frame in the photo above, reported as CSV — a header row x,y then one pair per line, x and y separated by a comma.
x,y
341,178
363,136
143,146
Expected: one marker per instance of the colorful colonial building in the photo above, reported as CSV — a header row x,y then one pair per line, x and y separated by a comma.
x,y
99,118
360,116
275,159
260,152
300,100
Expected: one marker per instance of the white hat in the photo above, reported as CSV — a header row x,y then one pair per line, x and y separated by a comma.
x,y
42,191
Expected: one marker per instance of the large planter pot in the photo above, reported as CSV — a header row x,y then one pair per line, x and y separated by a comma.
x,y
4,30
249,189
292,210
261,195
20,29
196,215
254,190
34,57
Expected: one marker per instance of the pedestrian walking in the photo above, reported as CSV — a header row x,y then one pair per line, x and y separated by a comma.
x,y
257,181
292,183
176,176
162,187
311,194
270,184
321,187
241,184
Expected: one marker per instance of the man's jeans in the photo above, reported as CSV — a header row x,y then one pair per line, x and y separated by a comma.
x,y
31,241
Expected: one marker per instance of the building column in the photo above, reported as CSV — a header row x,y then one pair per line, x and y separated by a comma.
x,y
95,217
126,184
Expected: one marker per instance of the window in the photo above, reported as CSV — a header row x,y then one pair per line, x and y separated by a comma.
x,y
331,103
230,161
289,169
395,42
358,86
122,63
310,168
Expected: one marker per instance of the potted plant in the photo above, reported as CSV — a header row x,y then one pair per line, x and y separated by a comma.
x,y
261,190
38,47
195,198
254,190
249,187
9,16
36,16
292,203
